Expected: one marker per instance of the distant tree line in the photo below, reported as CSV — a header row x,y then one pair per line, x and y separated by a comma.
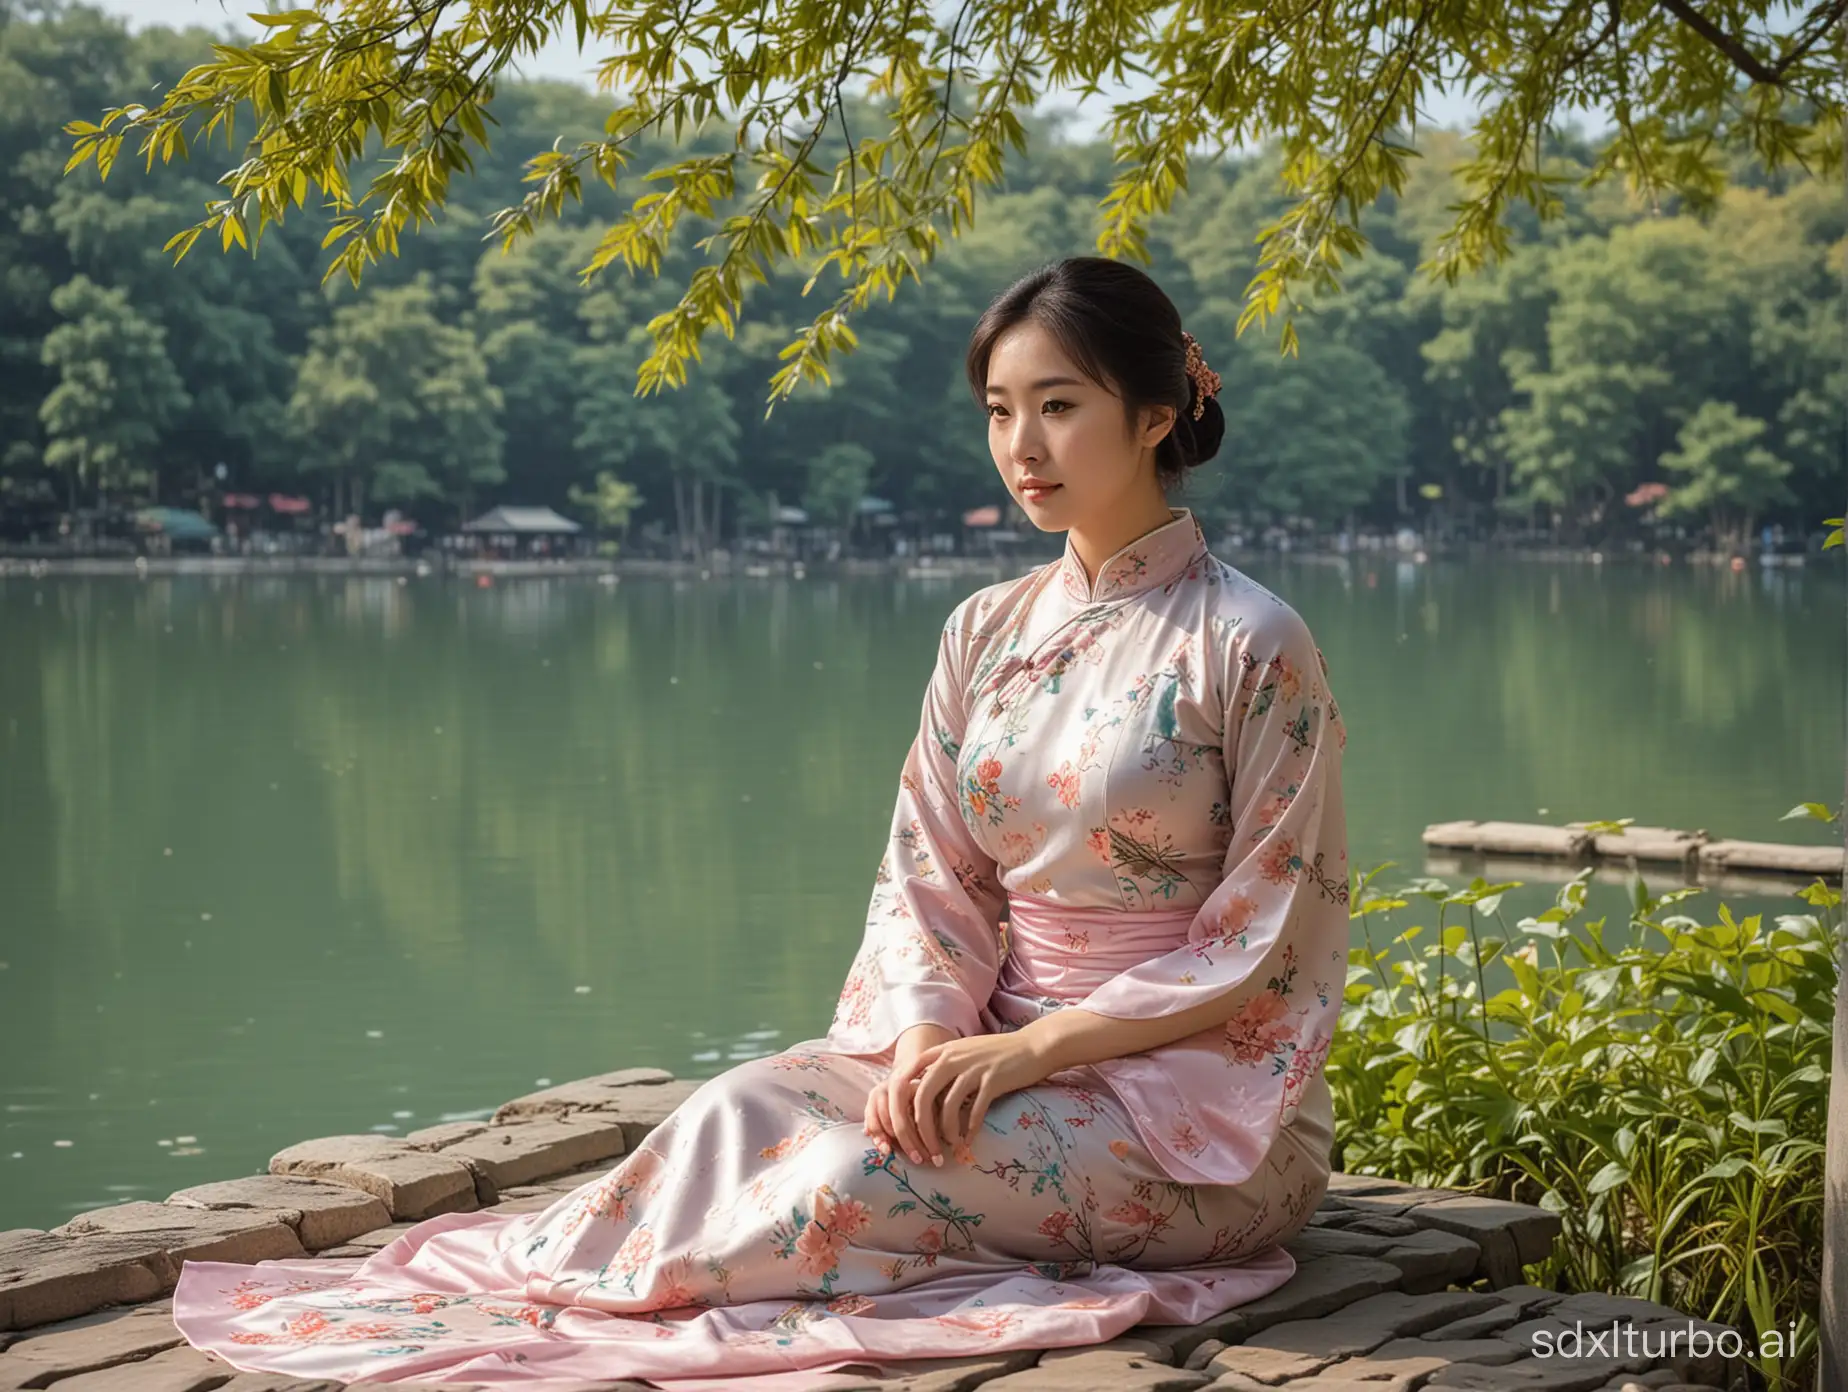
x,y
1626,370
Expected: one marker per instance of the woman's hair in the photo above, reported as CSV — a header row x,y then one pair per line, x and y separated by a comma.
x,y
1124,333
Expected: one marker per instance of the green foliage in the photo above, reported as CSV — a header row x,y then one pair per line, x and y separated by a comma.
x,y
116,390
870,198
1665,1094
610,504
397,403
1539,393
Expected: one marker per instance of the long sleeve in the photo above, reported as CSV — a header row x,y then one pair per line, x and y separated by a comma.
x,y
931,950
1273,934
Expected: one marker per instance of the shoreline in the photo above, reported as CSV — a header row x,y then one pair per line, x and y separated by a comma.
x,y
610,570
1430,1277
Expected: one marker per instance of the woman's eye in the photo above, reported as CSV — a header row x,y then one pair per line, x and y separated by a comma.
x,y
1056,402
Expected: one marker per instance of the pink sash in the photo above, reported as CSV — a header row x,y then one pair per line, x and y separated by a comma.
x,y
1066,951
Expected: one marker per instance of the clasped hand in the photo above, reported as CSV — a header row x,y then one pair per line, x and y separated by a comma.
x,y
921,1105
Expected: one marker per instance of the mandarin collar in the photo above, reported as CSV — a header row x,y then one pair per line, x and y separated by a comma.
x,y
1152,559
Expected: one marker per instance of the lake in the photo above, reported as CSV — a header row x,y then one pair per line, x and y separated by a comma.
x,y
289,857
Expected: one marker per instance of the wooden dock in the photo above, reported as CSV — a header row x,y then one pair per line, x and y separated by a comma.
x,y
1706,859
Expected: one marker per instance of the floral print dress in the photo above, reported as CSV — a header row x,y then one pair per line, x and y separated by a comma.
x,y
1124,796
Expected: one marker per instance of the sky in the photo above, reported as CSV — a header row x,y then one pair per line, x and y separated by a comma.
x,y
561,60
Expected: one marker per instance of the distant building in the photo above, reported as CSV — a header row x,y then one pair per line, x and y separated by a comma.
x,y
533,531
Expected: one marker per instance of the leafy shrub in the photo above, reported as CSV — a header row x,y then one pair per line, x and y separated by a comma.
x,y
1666,1097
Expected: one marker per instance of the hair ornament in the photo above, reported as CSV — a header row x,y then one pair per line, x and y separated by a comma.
x,y
1205,380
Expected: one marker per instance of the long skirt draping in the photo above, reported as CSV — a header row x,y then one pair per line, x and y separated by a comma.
x,y
758,1239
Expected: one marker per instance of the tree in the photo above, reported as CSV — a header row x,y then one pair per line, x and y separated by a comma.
x,y
1339,84
396,404
1729,475
117,390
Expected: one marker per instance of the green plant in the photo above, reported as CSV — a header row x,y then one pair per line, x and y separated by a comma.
x,y
1665,1095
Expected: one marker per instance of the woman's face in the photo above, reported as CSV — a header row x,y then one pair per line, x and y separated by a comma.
x,y
1049,424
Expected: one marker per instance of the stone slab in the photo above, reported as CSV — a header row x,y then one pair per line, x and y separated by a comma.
x,y
1769,855
519,1152
411,1184
45,1277
96,1341
191,1234
182,1369
322,1214
1428,1260
1087,1371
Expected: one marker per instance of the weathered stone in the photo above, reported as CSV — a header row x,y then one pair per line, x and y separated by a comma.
x,y
532,1203
1237,1382
1272,1365
322,1214
523,1151
599,1093
1510,838
1087,1371
960,1373
1317,1288
1529,1299
1528,1375
279,1382
344,1253
1511,1235
565,1184
1335,1380
411,1184
192,1234
1593,1307
52,1276
100,1340
1772,855
1202,1353
1125,1344
1377,1195
1365,1325
1428,1260
1450,1350
183,1369
1362,1220
1477,1326
444,1133
1643,1382
381,1237
1647,843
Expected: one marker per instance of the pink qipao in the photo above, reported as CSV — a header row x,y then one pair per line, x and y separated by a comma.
x,y
1143,778
1123,796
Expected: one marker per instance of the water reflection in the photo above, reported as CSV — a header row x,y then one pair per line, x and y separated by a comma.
x,y
321,855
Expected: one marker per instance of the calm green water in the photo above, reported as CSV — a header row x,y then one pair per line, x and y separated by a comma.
x,y
286,858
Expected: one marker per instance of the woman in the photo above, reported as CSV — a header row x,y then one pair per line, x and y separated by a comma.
x,y
1109,1111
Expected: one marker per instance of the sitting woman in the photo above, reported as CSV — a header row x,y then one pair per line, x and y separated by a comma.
x,y
1107,1110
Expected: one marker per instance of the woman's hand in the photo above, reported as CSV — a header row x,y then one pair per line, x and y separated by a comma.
x,y
926,1099
892,1096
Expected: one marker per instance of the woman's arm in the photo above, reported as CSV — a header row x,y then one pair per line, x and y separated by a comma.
x,y
1067,1038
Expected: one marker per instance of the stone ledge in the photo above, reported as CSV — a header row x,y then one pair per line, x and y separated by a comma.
x,y
1375,1304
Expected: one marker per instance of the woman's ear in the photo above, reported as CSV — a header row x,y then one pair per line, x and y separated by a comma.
x,y
1158,421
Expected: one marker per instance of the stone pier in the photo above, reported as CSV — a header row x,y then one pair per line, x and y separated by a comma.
x,y
1398,1288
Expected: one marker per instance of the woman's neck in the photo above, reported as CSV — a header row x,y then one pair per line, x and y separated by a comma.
x,y
1098,542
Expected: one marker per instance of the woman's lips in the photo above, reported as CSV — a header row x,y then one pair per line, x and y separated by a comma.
x,y
1035,492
